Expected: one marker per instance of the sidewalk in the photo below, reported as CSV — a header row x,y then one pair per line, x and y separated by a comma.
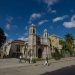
x,y
8,63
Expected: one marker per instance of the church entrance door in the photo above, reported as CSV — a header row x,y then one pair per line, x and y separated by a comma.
x,y
39,53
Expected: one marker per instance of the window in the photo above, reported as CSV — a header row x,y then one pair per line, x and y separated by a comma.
x,y
18,48
33,31
45,35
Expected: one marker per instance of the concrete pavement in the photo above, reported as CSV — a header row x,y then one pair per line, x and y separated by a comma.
x,y
8,63
55,68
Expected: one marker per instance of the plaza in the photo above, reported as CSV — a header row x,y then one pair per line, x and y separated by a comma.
x,y
65,66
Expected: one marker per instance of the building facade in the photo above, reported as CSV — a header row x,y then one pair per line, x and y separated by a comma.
x,y
55,43
39,47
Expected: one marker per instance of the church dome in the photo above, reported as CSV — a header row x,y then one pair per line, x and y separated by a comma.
x,y
32,25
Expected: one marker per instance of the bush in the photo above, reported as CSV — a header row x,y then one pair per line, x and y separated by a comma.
x,y
39,59
56,56
34,61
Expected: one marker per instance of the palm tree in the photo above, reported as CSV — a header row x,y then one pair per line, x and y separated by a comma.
x,y
62,42
69,41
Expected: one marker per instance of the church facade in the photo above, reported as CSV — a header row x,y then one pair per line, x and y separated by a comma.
x,y
39,47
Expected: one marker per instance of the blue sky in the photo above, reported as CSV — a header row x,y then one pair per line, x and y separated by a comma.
x,y
58,16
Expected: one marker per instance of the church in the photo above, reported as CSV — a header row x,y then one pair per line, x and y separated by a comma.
x,y
39,46
36,46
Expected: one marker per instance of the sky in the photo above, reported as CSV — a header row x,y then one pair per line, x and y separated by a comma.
x,y
57,16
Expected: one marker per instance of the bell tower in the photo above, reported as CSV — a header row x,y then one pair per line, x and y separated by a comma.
x,y
45,35
46,43
32,30
32,40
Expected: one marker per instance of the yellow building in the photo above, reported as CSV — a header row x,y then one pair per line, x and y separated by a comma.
x,y
55,42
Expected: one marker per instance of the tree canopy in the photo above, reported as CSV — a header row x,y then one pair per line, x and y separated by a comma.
x,y
2,37
69,40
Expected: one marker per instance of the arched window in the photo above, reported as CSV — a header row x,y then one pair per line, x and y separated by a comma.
x,y
33,30
45,34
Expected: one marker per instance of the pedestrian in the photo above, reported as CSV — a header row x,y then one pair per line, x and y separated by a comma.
x,y
20,58
31,59
46,61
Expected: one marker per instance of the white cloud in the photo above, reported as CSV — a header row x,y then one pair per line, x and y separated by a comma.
x,y
8,26
50,2
73,18
23,38
70,24
9,19
25,34
6,34
10,40
26,27
34,16
9,23
42,22
51,10
59,18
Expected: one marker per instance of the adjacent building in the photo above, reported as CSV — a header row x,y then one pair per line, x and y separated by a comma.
x,y
55,43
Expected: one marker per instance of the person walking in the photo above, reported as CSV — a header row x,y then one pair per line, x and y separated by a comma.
x,y
31,59
46,61
20,58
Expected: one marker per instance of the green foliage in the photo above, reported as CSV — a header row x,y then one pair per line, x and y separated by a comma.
x,y
67,44
2,37
56,55
34,60
69,40
61,41
39,59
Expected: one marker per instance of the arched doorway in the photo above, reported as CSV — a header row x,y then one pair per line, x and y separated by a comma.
x,y
39,53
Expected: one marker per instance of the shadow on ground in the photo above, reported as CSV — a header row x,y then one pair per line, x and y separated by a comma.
x,y
64,71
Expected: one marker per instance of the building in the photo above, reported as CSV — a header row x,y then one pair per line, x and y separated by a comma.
x,y
55,42
4,50
14,48
39,46
17,48
36,46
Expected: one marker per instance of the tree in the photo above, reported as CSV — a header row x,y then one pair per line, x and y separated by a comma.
x,y
2,37
2,41
69,41
62,42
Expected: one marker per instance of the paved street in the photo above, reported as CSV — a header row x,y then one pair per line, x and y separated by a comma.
x,y
62,67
